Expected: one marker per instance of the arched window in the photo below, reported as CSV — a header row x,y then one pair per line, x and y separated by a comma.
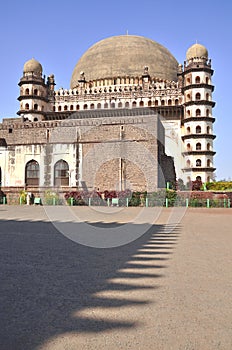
x,y
134,104
198,162
207,97
198,96
85,106
176,102
208,163
92,106
156,103
169,102
65,108
198,112
162,102
141,104
198,146
149,103
27,92
59,108
112,105
36,106
198,178
207,112
188,97
207,80
71,108
120,105
61,173
26,106
32,173
77,107
106,105
188,147
98,106
198,129
188,113
208,130
208,146
197,80
188,130
188,163
36,92
127,104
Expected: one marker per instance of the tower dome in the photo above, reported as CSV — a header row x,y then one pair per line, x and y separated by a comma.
x,y
197,50
33,66
125,56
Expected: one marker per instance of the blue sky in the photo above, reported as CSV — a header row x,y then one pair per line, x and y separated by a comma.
x,y
57,33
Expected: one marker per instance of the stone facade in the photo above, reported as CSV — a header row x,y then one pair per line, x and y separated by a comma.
x,y
114,128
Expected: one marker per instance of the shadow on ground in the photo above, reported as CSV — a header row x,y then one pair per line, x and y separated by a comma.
x,y
46,279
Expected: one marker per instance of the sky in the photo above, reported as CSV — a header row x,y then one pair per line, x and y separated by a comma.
x,y
57,33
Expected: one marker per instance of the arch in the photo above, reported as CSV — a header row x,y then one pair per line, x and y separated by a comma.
x,y
61,173
156,103
198,162
141,104
188,113
207,80
127,104
188,130
27,106
36,106
106,105
112,105
65,108
198,96
198,112
188,146
32,173
120,105
169,102
208,146
208,163
188,163
54,108
208,130
134,104
77,107
207,112
99,106
27,91
197,80
59,108
198,129
198,146
149,103
35,92
207,96
188,97
71,108
198,178
176,102
92,106
162,102
85,106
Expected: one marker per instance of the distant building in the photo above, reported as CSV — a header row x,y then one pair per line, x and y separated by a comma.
x,y
132,117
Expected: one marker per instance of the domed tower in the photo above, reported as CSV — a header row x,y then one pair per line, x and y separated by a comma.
x,y
197,134
33,92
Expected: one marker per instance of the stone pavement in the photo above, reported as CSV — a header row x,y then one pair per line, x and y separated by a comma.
x,y
169,289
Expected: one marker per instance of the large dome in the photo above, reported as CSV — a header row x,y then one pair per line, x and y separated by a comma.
x,y
125,55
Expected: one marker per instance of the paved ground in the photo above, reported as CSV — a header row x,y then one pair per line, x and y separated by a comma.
x,y
170,289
